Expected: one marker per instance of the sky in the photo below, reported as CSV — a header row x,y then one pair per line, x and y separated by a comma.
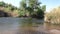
x,y
49,3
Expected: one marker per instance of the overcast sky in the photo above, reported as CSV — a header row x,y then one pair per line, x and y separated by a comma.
x,y
49,3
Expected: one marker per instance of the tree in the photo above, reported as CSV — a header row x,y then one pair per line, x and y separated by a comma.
x,y
33,4
22,8
44,7
2,4
40,12
33,7
36,9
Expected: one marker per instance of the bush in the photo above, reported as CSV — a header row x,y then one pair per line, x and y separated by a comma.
x,y
54,16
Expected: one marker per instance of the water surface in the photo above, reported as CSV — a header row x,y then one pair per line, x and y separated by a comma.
x,y
11,25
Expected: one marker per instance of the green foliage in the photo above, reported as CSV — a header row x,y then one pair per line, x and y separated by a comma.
x,y
22,8
44,7
23,5
2,4
27,8
9,9
33,7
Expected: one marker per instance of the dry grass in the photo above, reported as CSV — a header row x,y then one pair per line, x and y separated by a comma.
x,y
53,16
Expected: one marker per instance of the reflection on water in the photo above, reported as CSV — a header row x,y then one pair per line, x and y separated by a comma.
x,y
26,26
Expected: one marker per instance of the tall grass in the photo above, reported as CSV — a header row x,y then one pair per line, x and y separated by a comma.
x,y
53,16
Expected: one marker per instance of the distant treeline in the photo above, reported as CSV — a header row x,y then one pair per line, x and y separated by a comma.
x,y
28,8
11,10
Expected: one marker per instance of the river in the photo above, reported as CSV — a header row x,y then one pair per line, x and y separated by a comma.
x,y
9,25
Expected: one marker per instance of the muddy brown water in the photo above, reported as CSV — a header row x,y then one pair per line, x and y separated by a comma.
x,y
16,26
